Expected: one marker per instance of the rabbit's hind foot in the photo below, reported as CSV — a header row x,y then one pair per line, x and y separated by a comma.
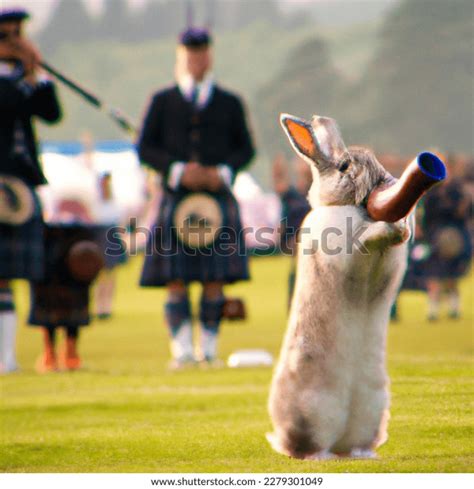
x,y
321,455
363,453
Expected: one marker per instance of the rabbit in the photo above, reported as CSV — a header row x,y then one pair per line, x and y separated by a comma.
x,y
329,394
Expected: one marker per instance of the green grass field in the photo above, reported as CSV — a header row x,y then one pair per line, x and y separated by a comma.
x,y
124,412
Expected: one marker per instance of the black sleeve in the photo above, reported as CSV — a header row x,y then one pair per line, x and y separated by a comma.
x,y
44,103
12,97
150,141
242,147
17,96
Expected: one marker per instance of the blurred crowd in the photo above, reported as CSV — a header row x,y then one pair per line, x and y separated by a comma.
x,y
68,238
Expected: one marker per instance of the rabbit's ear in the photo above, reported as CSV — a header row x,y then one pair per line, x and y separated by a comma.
x,y
319,140
300,134
330,145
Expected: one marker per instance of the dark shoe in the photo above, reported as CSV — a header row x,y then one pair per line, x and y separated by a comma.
x,y
104,315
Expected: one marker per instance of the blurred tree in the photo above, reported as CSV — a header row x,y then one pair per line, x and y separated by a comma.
x,y
418,90
69,23
235,14
308,83
225,15
116,22
162,19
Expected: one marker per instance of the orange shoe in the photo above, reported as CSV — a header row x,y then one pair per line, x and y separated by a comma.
x,y
46,363
69,357
72,363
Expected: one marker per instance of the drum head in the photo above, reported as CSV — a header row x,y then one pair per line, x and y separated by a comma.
x,y
198,219
85,260
17,204
449,243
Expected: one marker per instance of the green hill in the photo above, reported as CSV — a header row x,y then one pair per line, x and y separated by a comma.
x,y
416,91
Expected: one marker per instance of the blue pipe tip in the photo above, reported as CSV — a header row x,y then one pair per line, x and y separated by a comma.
x,y
431,166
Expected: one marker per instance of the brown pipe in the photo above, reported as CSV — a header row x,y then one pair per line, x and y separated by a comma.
x,y
396,199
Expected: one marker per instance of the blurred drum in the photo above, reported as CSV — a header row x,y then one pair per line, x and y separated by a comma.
x,y
198,219
85,259
17,203
74,256
449,243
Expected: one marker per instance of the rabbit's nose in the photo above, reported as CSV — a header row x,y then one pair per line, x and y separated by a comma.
x,y
394,201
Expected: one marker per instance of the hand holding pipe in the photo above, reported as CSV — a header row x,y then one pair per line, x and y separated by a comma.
x,y
396,199
115,114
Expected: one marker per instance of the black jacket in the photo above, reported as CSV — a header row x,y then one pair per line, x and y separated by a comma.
x,y
17,104
174,131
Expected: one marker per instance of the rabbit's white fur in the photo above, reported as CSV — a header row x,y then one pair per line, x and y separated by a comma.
x,y
329,393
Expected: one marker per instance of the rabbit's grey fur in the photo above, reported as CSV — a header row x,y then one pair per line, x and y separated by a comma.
x,y
329,394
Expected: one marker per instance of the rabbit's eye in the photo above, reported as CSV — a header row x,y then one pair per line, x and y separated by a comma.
x,y
344,166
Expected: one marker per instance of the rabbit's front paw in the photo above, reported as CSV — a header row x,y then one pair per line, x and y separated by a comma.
x,y
381,235
401,231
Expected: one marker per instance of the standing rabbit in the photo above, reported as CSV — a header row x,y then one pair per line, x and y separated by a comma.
x,y
329,394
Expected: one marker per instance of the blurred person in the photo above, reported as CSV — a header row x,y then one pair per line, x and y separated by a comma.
x,y
61,298
418,252
146,215
447,211
25,93
196,136
295,207
468,184
107,214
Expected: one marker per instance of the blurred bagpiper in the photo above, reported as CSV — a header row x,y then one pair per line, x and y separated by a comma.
x,y
447,211
74,256
196,136
24,93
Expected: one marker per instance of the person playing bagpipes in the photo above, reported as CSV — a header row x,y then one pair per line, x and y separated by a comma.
x,y
25,93
196,136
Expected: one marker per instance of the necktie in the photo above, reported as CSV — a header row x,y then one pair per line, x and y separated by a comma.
x,y
194,96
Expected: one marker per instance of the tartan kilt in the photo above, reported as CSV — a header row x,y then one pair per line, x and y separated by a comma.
x,y
55,304
441,268
58,299
168,258
22,247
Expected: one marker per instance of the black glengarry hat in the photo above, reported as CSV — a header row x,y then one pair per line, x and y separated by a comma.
x,y
195,37
13,14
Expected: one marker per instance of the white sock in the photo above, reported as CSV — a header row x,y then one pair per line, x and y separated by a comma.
x,y
433,308
208,343
454,302
7,341
182,342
